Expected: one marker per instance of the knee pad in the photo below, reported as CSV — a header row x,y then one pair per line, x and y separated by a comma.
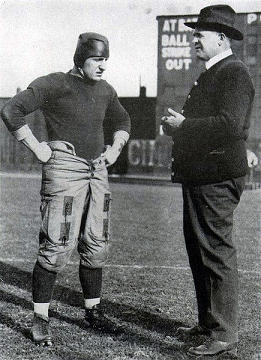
x,y
53,262
93,254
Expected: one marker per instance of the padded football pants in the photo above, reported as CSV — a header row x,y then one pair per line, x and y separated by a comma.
x,y
75,209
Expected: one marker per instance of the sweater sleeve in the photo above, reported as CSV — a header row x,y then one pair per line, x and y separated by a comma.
x,y
232,96
117,115
15,110
27,101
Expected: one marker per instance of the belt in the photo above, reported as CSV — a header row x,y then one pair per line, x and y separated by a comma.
x,y
62,146
68,148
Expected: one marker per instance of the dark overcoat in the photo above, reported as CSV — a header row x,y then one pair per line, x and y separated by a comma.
x,y
209,146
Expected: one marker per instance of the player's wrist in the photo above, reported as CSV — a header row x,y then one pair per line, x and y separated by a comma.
x,y
121,134
117,145
22,133
40,149
31,143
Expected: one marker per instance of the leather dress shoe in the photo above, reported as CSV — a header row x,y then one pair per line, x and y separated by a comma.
x,y
193,331
214,347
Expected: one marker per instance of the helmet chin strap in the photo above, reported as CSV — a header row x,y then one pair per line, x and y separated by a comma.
x,y
81,71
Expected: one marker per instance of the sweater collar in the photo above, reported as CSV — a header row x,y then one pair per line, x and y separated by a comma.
x,y
77,73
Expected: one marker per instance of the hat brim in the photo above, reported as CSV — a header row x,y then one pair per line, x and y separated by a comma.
x,y
228,30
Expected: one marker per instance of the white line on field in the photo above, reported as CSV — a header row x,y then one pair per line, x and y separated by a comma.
x,y
173,267
21,175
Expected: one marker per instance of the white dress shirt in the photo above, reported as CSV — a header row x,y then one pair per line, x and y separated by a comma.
x,y
217,58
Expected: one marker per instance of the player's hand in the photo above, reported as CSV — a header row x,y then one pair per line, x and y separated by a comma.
x,y
42,152
252,159
172,122
110,155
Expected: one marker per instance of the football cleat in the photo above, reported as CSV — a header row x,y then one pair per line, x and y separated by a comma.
x,y
40,331
94,318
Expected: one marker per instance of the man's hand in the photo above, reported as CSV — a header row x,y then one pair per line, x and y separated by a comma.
x,y
171,123
252,159
43,152
110,155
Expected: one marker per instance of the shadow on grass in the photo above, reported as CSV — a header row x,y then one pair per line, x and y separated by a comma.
x,y
22,279
129,317
10,323
15,326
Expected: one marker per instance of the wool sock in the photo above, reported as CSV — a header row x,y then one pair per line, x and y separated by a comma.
x,y
91,282
41,308
43,284
90,303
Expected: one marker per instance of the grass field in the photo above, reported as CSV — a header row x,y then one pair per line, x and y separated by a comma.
x,y
147,291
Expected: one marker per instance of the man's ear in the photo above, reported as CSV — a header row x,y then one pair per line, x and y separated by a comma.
x,y
222,36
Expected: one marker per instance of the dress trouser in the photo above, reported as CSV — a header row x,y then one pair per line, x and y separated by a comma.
x,y
75,209
208,223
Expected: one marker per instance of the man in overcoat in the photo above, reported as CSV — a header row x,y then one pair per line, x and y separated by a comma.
x,y
210,160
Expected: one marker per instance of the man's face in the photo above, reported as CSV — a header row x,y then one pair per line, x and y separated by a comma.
x,y
94,67
206,43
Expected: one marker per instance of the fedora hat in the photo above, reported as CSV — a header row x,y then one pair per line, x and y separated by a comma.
x,y
219,18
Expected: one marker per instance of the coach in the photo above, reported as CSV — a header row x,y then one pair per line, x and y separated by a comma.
x,y
210,160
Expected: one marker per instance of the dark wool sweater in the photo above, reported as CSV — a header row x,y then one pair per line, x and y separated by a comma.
x,y
209,146
74,110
